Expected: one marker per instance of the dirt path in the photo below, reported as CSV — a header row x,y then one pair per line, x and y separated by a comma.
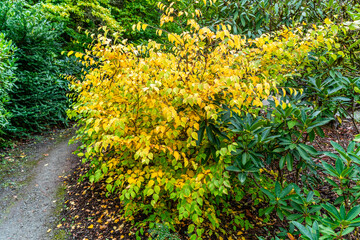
x,y
29,211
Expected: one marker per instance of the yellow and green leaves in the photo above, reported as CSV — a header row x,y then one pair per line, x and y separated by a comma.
x,y
141,110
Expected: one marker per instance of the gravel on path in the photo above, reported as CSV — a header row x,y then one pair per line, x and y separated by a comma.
x,y
30,213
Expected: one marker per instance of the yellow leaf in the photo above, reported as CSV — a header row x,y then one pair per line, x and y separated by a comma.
x,y
138,27
144,26
91,226
176,155
276,101
186,162
69,53
151,183
291,91
339,119
327,21
194,135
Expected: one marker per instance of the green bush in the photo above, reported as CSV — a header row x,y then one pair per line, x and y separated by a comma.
x,y
117,16
39,97
128,13
7,68
148,122
77,14
332,78
253,18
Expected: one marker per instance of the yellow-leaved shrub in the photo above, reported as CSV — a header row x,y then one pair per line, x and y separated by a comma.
x,y
139,109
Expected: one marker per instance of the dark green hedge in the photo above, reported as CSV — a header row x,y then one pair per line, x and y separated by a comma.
x,y
38,98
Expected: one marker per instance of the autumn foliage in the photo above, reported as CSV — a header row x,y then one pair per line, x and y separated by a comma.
x,y
144,114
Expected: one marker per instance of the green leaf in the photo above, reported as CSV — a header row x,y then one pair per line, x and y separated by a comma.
x,y
330,169
200,135
289,161
339,200
150,192
280,214
282,162
310,196
337,146
157,189
342,212
278,150
156,197
311,136
268,193
268,210
354,212
233,169
303,153
357,138
347,231
98,175
303,230
354,44
244,158
191,228
291,124
277,189
210,135
317,124
309,149
242,177
286,190
332,210
339,165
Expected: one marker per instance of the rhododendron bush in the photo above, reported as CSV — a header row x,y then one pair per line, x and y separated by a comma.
x,y
145,115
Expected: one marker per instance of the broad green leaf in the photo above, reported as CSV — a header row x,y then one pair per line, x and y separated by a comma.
x,y
353,213
303,230
332,210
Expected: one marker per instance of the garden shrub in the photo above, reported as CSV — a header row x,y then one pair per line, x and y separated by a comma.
x,y
331,79
128,13
39,97
253,18
141,110
7,68
277,140
336,218
87,15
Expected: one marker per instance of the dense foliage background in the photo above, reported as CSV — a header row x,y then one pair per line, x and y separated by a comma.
x,y
34,33
7,68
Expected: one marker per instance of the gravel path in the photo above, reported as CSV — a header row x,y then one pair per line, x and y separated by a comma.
x,y
30,213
